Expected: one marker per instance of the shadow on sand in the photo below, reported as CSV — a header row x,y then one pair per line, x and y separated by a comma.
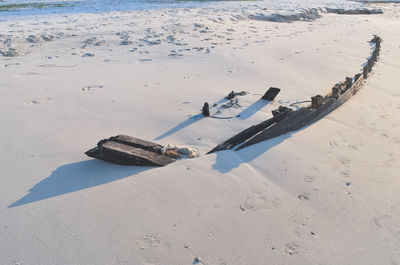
x,y
253,108
77,176
180,126
229,160
244,114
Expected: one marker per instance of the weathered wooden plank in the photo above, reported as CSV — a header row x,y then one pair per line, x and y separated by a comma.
x,y
243,136
124,154
292,122
135,142
349,82
249,132
271,93
128,150
137,156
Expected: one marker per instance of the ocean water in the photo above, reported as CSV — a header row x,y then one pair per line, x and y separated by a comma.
x,y
33,7
44,7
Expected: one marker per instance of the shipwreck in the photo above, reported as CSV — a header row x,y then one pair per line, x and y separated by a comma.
x,y
127,150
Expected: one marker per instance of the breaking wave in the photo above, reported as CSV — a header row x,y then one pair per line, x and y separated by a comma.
x,y
311,14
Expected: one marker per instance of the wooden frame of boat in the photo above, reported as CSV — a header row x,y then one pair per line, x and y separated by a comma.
x,y
285,120
127,150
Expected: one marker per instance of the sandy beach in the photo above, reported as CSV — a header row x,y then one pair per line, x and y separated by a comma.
x,y
326,194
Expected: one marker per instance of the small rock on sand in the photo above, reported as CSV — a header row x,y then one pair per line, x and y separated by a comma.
x,y
197,260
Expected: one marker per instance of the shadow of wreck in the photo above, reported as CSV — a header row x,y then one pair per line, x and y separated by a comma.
x,y
77,176
180,126
230,159
253,108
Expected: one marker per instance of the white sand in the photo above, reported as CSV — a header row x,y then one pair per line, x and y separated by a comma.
x,y
327,194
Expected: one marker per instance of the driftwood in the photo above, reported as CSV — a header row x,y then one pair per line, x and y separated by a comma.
x,y
127,150
294,120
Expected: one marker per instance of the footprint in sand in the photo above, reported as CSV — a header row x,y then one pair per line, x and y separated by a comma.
x,y
10,64
200,211
145,60
308,178
89,88
386,221
148,241
355,147
306,195
175,55
344,173
390,159
30,73
276,203
126,42
395,140
290,249
37,101
54,65
253,202
248,205
191,76
344,161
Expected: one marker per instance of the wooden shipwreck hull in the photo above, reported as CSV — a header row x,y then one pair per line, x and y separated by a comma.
x,y
296,120
285,120
127,150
